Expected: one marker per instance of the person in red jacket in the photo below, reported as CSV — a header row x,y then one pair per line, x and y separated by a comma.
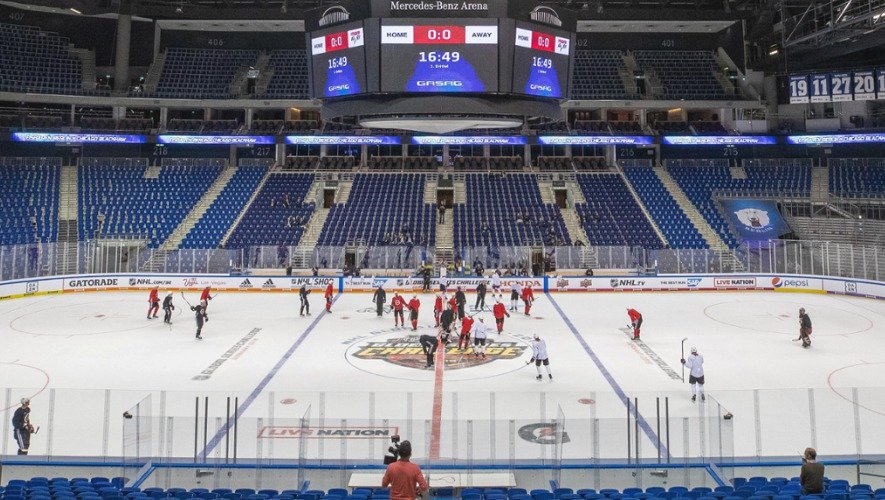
x,y
205,297
398,303
438,308
499,312
154,301
466,325
635,321
413,306
454,303
328,296
528,296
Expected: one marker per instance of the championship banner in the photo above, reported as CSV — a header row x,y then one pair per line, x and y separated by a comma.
x,y
755,219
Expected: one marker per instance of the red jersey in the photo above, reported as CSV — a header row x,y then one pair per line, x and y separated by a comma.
x,y
328,291
498,310
528,294
453,303
397,303
205,294
466,324
414,304
634,314
154,296
438,305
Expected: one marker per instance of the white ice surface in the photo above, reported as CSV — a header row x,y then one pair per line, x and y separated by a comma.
x,y
84,358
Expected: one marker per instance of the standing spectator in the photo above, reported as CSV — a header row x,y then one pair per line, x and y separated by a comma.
x,y
405,479
442,212
812,475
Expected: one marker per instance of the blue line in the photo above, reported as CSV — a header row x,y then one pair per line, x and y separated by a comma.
x,y
261,385
609,378
144,477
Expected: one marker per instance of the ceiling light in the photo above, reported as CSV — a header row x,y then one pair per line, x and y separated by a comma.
x,y
75,11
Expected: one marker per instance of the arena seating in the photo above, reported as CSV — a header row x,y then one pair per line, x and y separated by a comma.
x,y
213,225
857,177
597,75
554,163
289,80
37,61
304,163
385,163
489,217
94,124
336,163
611,217
701,178
684,74
671,220
300,126
381,204
268,221
708,128
201,73
29,188
584,163
139,201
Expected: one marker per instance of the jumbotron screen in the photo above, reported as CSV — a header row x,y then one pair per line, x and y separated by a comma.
x,y
338,60
439,55
541,61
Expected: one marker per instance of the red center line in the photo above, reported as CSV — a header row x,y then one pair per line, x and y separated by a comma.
x,y
437,401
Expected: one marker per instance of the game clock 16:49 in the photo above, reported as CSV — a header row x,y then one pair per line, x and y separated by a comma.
x,y
541,61
338,61
443,55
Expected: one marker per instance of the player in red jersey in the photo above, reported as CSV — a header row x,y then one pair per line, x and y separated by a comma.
x,y
154,301
466,325
413,306
499,312
454,303
635,321
398,303
328,296
438,308
528,297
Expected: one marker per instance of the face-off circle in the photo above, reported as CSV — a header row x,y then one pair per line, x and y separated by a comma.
x,y
397,353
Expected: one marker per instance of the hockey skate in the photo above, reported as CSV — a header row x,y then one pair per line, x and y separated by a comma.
x,y
694,399
703,398
539,377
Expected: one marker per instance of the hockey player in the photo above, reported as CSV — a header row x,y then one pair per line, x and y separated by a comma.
x,y
328,296
379,298
200,315
398,304
496,283
460,302
539,356
21,426
453,302
464,339
499,312
438,307
635,321
515,292
443,283
695,364
154,301
206,297
447,318
804,328
168,308
480,333
480,296
528,297
303,292
429,343
413,306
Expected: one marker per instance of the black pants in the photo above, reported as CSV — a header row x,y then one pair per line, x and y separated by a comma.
x,y
380,308
199,326
480,302
167,315
23,438
305,307
460,311
428,345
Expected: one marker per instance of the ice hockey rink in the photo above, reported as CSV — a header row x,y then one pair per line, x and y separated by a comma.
x,y
85,358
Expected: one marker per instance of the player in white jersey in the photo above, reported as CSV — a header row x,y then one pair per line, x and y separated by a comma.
x,y
496,283
515,294
480,334
695,364
539,356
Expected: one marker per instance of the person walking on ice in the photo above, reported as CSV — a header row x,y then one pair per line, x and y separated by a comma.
x,y
695,364
804,328
539,356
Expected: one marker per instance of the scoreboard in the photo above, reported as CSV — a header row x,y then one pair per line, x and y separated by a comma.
x,y
439,55
338,60
837,87
541,61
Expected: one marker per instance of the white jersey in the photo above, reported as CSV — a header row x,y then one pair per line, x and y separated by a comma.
x,y
539,349
479,330
443,281
695,363
516,287
496,281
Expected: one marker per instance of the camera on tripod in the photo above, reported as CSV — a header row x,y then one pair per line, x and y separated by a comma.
x,y
392,454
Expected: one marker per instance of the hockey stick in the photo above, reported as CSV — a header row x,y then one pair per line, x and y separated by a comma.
x,y
683,357
185,300
36,430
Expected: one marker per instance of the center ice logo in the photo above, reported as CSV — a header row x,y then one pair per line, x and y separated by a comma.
x,y
407,352
753,218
